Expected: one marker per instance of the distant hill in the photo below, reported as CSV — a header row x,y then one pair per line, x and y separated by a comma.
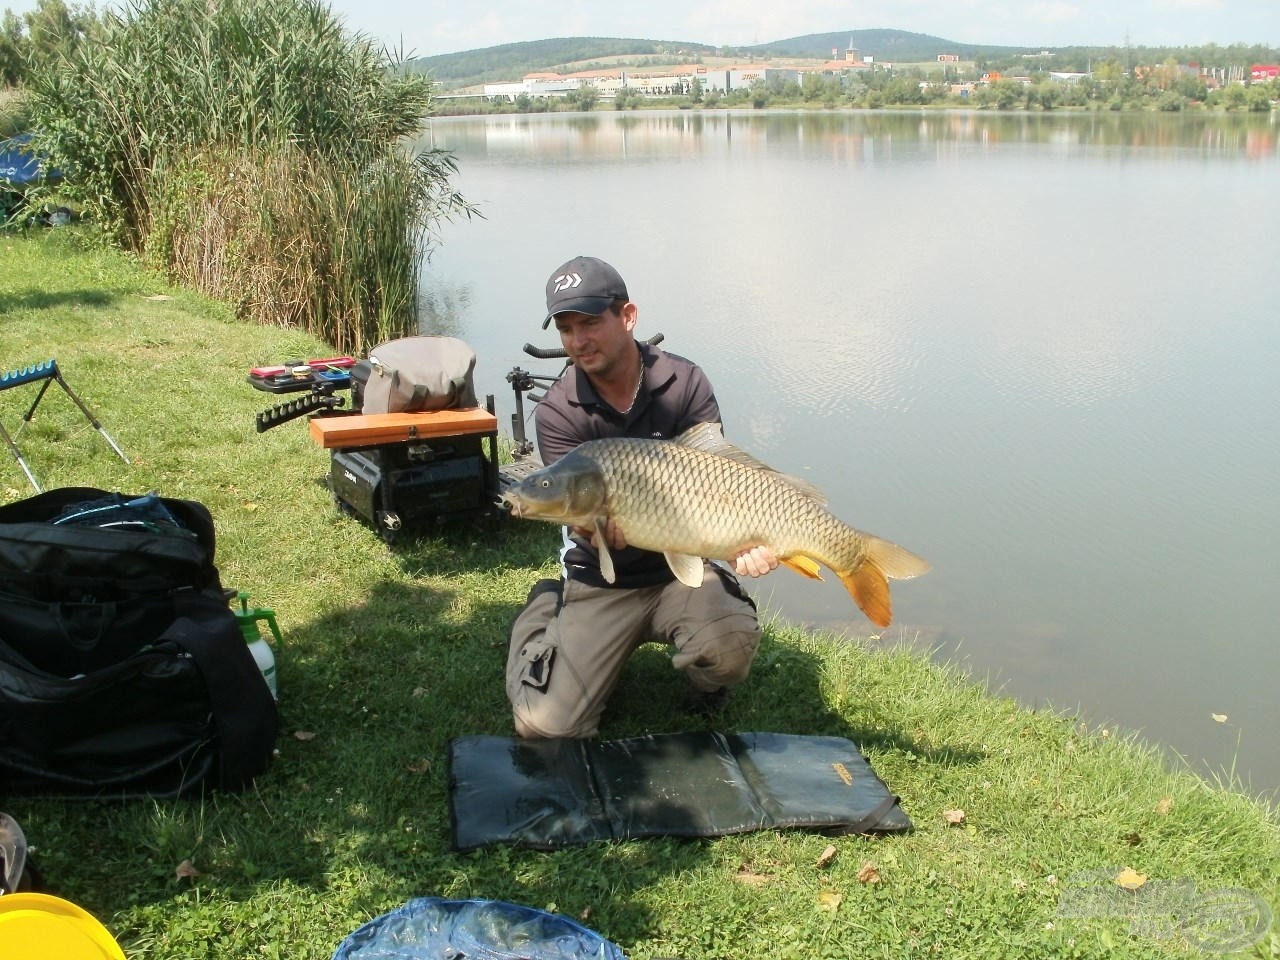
x,y
890,45
511,61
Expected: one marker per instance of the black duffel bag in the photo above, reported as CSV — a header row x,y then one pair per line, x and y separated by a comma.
x,y
123,671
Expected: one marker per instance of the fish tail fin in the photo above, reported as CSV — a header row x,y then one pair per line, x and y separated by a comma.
x,y
870,590
868,580
803,566
896,562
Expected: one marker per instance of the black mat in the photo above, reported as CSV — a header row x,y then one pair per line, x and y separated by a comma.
x,y
555,793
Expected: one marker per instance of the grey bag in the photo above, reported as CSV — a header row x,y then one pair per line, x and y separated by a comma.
x,y
419,373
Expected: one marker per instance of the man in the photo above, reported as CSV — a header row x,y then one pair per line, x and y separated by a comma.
x,y
571,640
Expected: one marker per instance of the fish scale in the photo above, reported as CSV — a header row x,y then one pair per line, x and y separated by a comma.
x,y
666,496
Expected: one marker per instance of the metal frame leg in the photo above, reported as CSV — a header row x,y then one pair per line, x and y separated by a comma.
x,y
85,410
17,455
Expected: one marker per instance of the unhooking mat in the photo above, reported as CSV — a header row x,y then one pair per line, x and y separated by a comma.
x,y
555,793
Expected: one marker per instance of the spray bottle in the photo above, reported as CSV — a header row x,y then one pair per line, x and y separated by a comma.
x,y
247,617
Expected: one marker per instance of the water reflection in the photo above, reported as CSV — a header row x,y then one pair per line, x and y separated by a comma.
x,y
1037,349
859,137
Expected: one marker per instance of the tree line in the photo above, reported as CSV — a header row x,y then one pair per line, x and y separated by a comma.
x,y
39,37
1168,87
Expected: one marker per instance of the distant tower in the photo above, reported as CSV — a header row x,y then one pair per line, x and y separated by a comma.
x,y
851,52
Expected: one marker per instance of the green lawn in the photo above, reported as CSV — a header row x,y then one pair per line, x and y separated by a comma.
x,y
389,653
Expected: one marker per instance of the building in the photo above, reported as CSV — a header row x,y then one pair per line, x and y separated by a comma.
x,y
675,80
534,85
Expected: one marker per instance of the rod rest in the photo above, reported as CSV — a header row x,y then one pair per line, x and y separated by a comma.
x,y
292,409
41,371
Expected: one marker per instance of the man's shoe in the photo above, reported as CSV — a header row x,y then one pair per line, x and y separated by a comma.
x,y
706,703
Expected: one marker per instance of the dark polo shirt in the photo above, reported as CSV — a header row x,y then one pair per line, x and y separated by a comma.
x,y
674,395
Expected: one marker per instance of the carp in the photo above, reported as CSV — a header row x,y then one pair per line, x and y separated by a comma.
x,y
699,496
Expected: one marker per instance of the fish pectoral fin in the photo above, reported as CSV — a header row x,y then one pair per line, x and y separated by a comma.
x,y
870,590
803,566
688,570
606,558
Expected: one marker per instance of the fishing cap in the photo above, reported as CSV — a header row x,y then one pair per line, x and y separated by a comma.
x,y
583,285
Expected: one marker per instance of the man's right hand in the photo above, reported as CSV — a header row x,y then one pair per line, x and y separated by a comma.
x,y
755,562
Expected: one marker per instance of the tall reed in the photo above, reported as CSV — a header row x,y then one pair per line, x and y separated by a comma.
x,y
254,149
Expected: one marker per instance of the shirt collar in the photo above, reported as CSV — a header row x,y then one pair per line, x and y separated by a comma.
x,y
658,372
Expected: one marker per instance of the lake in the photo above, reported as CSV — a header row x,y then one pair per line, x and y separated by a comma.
x,y
1041,351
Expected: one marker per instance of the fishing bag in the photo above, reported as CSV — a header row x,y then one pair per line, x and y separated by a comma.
x,y
414,374
122,668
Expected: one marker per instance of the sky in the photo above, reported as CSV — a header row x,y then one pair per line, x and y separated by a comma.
x,y
429,27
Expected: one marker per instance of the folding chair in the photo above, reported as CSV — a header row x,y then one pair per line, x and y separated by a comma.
x,y
47,373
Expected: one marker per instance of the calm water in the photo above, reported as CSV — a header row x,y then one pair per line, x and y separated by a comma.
x,y
1042,352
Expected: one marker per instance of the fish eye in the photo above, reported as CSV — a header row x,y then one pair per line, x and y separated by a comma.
x,y
544,483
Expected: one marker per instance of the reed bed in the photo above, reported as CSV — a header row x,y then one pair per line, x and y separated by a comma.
x,y
256,151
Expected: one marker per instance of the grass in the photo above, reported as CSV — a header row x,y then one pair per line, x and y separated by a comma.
x,y
389,653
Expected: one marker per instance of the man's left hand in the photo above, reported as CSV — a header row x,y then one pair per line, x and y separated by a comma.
x,y
755,562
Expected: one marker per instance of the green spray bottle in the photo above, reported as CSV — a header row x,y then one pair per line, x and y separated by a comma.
x,y
247,617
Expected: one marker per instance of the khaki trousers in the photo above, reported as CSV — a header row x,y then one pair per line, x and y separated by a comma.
x,y
571,640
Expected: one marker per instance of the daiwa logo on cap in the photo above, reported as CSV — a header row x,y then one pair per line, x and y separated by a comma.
x,y
583,285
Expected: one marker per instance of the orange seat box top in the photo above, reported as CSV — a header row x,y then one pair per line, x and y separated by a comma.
x,y
368,430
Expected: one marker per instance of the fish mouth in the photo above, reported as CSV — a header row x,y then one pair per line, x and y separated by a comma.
x,y
510,504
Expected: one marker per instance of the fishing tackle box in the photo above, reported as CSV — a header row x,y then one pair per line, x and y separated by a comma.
x,y
404,470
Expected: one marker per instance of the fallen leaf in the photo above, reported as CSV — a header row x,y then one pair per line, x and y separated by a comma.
x,y
1132,839
869,873
186,870
1164,806
303,735
1220,717
750,877
1130,879
953,817
251,507
422,766
828,855
830,900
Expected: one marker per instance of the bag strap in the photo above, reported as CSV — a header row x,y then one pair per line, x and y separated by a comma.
x,y
244,713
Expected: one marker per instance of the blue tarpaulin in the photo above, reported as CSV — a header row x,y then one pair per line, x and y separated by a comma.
x,y
433,928
18,166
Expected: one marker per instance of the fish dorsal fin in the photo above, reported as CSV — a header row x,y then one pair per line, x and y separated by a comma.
x,y
709,438
688,570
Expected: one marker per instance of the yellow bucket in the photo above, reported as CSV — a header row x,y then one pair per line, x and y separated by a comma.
x,y
36,926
